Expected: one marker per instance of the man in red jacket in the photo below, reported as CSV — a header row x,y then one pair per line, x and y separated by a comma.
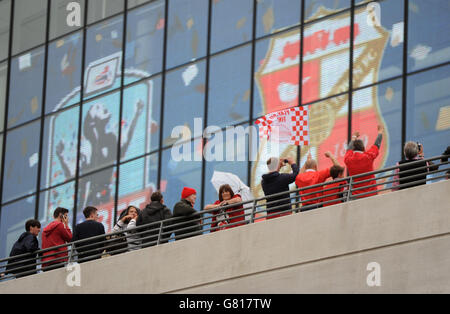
x,y
309,175
358,161
56,233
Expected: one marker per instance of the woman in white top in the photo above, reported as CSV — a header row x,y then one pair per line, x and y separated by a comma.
x,y
126,223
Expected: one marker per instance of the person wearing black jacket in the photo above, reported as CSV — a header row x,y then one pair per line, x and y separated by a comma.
x,y
185,208
275,182
87,229
27,243
152,213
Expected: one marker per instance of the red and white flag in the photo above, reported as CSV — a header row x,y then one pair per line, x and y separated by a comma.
x,y
288,126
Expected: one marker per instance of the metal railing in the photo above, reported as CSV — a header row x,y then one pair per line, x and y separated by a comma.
x,y
246,212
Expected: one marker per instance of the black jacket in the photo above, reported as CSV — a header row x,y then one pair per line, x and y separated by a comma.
x,y
152,213
27,243
275,182
184,209
87,229
419,174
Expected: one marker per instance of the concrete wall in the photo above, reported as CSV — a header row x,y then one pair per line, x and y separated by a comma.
x,y
322,251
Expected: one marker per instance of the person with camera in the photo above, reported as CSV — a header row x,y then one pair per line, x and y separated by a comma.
x,y
309,175
275,182
56,233
411,172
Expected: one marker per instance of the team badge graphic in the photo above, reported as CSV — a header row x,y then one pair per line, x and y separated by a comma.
x,y
325,73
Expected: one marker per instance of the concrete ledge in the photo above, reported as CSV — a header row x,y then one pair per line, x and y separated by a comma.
x,y
318,247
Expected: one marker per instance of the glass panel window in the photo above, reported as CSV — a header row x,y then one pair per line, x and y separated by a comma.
x,y
187,31
137,182
175,175
231,23
229,87
428,26
103,57
5,13
140,118
98,190
380,105
134,3
326,57
25,88
66,16
13,219
315,9
3,78
61,196
184,101
378,42
59,154
64,72
101,9
145,34
30,20
276,73
428,110
100,129
21,161
275,15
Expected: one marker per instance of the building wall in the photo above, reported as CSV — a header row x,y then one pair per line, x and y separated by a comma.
x,y
87,112
326,251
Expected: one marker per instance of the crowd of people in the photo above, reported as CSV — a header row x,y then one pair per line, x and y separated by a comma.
x,y
136,228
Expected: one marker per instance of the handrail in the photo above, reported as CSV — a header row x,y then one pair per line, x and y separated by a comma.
x,y
159,232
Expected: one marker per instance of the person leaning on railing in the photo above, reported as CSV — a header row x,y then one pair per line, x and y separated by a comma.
x,y
185,208
55,234
418,170
127,223
152,213
336,172
27,243
359,160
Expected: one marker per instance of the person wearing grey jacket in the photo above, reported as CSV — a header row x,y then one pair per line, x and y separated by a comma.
x,y
126,223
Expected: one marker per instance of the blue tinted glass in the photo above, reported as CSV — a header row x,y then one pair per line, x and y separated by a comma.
x,y
231,23
21,161
378,42
103,57
64,72
140,118
175,175
184,100
318,8
428,110
13,219
144,46
428,22
187,31
274,15
61,196
25,98
229,87
59,153
100,128
137,182
379,105
100,9
98,190
3,78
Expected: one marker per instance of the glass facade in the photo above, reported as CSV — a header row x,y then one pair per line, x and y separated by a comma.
x,y
93,93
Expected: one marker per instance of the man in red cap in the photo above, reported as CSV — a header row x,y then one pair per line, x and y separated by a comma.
x,y
185,208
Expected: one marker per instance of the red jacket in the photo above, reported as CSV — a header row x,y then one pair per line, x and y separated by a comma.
x,y
308,178
336,187
231,212
360,162
55,234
